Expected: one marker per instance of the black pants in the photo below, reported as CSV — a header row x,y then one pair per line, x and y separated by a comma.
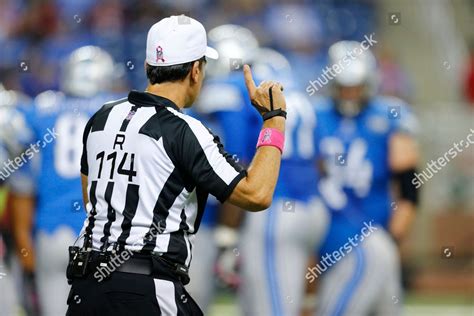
x,y
130,294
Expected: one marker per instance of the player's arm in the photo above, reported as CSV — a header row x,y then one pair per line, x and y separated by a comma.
x,y
22,213
310,299
22,190
255,191
22,203
226,238
403,159
85,197
231,216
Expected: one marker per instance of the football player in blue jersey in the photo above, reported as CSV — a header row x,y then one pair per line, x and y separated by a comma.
x,y
364,144
224,105
49,212
276,246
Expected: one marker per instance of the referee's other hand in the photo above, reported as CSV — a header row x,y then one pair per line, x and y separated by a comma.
x,y
260,96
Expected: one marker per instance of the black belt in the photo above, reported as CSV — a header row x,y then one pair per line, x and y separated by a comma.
x,y
137,266
152,265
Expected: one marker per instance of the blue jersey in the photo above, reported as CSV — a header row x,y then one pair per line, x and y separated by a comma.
x,y
57,123
354,179
224,107
298,177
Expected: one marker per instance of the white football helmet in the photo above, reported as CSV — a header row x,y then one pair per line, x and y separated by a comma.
x,y
236,45
358,68
270,64
87,71
13,128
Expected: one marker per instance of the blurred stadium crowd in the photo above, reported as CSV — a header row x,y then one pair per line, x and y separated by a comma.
x,y
37,37
42,33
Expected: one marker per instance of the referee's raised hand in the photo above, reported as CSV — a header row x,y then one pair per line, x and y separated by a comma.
x,y
267,97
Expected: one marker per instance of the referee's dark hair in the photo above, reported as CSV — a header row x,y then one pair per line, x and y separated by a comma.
x,y
159,74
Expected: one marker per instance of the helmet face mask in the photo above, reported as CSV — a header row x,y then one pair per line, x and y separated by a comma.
x,y
350,101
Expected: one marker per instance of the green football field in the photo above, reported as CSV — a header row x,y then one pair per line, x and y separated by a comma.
x,y
415,305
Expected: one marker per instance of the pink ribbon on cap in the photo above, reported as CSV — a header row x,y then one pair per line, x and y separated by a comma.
x,y
159,54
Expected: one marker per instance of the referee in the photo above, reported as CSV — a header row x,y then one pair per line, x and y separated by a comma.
x,y
147,170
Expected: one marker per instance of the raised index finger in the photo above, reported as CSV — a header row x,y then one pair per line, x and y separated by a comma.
x,y
249,81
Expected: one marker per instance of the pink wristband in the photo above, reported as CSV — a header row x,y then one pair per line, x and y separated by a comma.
x,y
271,137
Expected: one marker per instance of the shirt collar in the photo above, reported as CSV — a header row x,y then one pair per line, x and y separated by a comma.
x,y
148,99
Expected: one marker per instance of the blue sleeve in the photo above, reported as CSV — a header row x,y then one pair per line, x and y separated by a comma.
x,y
26,131
321,121
405,121
23,134
409,123
316,135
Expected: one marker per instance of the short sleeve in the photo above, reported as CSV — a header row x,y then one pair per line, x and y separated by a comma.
x,y
406,122
202,156
23,181
16,134
17,129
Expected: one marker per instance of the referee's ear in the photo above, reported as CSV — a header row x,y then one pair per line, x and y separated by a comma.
x,y
197,72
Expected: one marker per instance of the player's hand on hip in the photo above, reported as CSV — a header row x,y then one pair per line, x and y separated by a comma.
x,y
268,96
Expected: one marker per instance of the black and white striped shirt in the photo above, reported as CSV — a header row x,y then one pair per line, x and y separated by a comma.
x,y
150,169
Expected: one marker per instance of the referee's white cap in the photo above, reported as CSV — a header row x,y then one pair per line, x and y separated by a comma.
x,y
176,40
